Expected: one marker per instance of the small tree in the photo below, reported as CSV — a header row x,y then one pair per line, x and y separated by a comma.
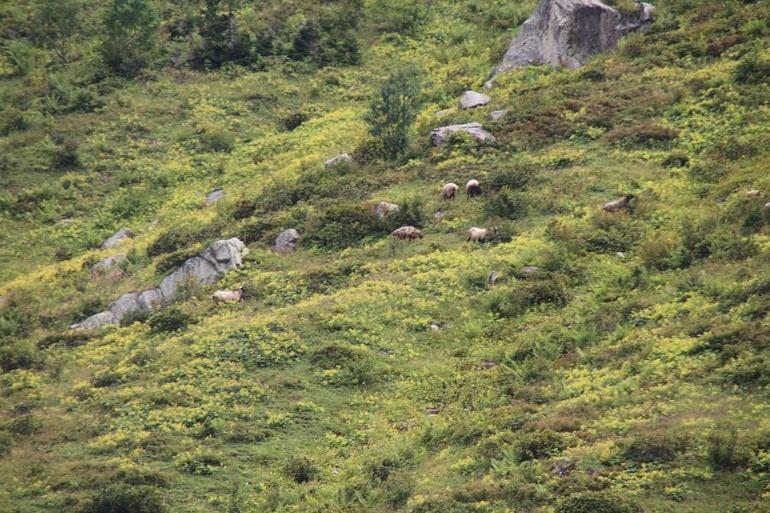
x,y
55,22
131,30
392,113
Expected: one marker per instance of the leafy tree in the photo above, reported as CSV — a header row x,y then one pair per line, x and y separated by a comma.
x,y
55,22
131,29
394,110
222,42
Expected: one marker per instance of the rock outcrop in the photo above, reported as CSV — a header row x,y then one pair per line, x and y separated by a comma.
x,y
117,237
472,99
383,208
569,32
441,134
342,158
204,269
286,242
497,114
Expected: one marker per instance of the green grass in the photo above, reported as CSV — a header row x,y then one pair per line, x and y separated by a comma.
x,y
623,367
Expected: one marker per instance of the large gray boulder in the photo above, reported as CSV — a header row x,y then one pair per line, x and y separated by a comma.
x,y
569,32
472,99
117,237
441,134
286,242
204,269
383,208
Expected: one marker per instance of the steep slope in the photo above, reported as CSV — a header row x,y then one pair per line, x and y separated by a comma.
x,y
627,370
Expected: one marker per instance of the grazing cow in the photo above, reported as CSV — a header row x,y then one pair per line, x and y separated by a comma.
x,y
480,234
227,296
618,204
407,233
472,188
449,191
754,194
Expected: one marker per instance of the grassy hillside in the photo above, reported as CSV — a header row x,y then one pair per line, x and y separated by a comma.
x,y
630,372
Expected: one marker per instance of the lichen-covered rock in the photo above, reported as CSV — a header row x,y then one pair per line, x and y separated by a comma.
x,y
569,32
383,208
117,237
497,114
286,242
472,99
476,130
203,269
342,158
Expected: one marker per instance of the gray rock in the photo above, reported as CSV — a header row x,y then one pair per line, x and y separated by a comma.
x,y
286,242
497,114
203,269
214,196
383,208
112,265
472,99
569,32
117,237
530,269
96,321
440,135
342,158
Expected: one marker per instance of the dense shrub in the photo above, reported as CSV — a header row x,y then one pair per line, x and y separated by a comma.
x,y
65,155
182,236
125,498
294,121
171,318
655,447
508,204
510,177
17,355
216,140
596,502
300,470
538,444
342,225
519,298
131,32
752,69
409,213
24,425
723,452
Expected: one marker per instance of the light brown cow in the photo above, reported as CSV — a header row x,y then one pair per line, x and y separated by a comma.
x,y
449,191
480,234
407,233
618,204
227,296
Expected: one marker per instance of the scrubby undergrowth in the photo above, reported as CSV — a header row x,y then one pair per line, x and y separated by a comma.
x,y
629,372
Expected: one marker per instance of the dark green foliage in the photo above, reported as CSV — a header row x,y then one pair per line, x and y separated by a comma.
x,y
342,225
131,32
294,121
300,470
65,155
511,177
216,140
538,444
6,441
55,21
24,425
222,41
17,355
508,204
596,502
330,38
723,452
125,498
171,318
655,447
393,111
513,301
181,237
752,69
12,120
409,213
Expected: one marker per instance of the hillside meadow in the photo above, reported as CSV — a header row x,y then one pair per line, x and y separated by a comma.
x,y
620,362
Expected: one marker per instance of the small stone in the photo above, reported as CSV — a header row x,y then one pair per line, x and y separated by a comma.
x,y
342,158
117,237
497,114
472,99
214,196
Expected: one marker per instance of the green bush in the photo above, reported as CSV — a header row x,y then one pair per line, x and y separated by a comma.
x,y
131,33
342,225
216,140
17,355
65,156
300,470
723,452
6,442
596,502
538,444
409,213
752,69
125,498
182,236
655,447
515,300
171,318
508,204
646,135
510,177
25,425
